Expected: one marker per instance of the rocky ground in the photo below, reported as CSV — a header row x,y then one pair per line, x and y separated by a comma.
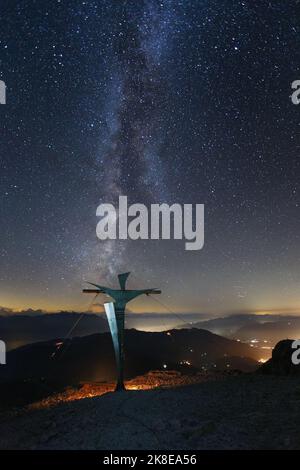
x,y
248,411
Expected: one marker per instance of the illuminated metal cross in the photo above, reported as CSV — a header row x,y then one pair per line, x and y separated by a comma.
x,y
115,312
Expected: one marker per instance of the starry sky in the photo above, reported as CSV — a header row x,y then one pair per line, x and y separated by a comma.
x,y
162,101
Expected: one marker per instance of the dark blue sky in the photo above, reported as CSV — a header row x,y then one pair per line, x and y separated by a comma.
x,y
163,101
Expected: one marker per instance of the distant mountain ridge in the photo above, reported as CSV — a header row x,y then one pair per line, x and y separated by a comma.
x,y
271,328
18,330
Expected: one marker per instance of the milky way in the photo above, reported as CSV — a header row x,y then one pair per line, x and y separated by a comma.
x,y
136,124
130,150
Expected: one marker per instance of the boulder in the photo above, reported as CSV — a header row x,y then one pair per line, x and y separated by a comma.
x,y
281,360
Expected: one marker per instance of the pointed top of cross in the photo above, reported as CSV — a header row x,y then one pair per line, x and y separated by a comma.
x,y
122,280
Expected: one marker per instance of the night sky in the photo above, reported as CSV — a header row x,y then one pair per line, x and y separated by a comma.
x,y
162,101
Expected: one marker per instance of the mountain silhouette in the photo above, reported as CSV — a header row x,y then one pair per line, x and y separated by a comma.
x,y
91,358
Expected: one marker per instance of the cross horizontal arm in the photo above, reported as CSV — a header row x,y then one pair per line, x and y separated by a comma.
x,y
91,291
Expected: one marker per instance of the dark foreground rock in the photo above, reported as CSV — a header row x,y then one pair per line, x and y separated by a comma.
x,y
241,412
